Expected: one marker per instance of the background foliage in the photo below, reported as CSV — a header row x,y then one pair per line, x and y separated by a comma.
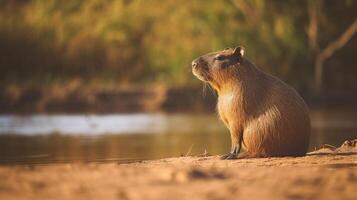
x,y
136,42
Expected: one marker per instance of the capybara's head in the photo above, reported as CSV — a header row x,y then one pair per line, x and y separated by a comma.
x,y
219,67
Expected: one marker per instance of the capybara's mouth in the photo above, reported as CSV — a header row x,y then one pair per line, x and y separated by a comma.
x,y
201,75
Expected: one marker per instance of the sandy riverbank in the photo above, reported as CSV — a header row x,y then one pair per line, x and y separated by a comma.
x,y
310,177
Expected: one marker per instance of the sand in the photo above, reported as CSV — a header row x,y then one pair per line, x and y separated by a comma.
x,y
311,177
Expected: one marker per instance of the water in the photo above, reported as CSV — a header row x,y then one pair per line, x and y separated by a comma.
x,y
126,137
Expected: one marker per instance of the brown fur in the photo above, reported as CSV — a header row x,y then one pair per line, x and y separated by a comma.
x,y
263,113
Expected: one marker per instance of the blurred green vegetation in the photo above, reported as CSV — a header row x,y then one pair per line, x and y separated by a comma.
x,y
135,42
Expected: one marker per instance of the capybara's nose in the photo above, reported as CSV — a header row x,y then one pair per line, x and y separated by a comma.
x,y
194,64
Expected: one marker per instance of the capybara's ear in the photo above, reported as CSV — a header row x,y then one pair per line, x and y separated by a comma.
x,y
238,51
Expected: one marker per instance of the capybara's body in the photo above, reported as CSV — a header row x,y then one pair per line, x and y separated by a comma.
x,y
263,114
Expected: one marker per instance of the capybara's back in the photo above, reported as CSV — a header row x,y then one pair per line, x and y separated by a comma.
x,y
278,122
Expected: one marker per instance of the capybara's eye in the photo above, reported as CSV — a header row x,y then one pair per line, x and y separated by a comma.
x,y
219,57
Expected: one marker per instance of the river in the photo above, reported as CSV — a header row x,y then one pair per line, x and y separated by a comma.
x,y
44,138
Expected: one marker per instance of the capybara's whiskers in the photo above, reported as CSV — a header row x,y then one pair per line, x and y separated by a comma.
x,y
204,89
211,89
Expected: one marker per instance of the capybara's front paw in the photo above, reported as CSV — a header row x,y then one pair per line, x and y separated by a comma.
x,y
229,156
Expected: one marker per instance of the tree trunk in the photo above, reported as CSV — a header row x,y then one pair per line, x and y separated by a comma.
x,y
329,51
